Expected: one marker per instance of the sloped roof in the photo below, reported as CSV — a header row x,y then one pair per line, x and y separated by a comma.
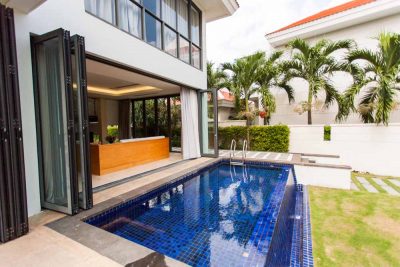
x,y
326,13
224,94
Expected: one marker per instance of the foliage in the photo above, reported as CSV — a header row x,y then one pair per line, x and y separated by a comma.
x,y
112,130
376,78
352,228
316,65
216,78
272,75
327,133
262,138
112,133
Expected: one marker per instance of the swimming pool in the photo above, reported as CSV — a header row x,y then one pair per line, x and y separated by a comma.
x,y
221,215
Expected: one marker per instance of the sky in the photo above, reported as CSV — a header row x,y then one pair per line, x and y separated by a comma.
x,y
244,32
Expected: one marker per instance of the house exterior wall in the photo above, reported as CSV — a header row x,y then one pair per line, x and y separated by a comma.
x,y
364,147
102,39
362,34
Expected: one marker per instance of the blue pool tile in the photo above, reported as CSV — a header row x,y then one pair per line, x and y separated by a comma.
x,y
218,216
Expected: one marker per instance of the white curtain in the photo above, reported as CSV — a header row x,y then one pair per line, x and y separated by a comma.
x,y
190,124
169,13
104,9
195,24
130,17
183,15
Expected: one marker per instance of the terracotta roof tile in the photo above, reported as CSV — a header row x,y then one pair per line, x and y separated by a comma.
x,y
327,12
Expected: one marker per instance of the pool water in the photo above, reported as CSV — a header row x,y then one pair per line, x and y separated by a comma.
x,y
223,216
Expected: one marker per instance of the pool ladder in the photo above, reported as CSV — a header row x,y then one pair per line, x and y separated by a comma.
x,y
232,153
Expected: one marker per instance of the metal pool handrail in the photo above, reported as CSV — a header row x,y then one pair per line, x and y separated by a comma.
x,y
232,150
244,152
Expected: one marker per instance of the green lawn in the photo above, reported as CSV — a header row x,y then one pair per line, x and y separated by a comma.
x,y
351,228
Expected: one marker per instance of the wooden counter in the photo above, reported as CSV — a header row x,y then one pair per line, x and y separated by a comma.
x,y
114,157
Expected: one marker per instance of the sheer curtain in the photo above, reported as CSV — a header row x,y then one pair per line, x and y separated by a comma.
x,y
104,9
169,13
130,17
183,18
190,125
195,24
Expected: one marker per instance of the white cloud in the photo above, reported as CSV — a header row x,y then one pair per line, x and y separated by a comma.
x,y
243,33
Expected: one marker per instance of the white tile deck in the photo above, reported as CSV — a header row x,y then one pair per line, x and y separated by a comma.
x,y
367,185
395,182
386,187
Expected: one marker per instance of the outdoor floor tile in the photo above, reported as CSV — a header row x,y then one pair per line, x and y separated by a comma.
x,y
387,188
354,187
367,185
395,182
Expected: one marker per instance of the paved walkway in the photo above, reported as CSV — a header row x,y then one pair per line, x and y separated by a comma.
x,y
260,155
378,185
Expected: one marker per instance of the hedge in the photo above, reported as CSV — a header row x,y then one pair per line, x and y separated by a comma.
x,y
262,138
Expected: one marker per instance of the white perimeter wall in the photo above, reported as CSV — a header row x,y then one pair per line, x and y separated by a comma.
x,y
101,39
363,35
368,148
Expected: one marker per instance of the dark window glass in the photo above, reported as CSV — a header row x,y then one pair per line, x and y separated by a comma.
x,y
176,123
150,118
183,18
130,17
153,6
195,26
162,116
184,50
104,9
169,12
170,41
138,116
153,31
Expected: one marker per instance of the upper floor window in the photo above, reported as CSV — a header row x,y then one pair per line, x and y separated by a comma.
x,y
171,25
104,9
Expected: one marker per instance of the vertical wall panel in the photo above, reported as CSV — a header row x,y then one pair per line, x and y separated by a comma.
x,y
13,203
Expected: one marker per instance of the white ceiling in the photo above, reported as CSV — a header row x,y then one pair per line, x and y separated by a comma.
x,y
105,76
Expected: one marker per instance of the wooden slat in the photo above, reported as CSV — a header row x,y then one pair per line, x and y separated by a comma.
x,y
114,157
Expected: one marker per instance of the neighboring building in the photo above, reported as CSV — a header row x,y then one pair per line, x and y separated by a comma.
x,y
116,58
360,20
226,105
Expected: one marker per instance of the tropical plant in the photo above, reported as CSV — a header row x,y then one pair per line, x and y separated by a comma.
x,y
316,65
244,74
272,75
216,78
376,78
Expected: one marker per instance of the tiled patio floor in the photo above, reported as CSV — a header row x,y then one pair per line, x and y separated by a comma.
x,y
376,185
44,247
270,156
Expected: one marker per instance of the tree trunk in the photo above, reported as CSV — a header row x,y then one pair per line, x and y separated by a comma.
x,y
247,121
309,104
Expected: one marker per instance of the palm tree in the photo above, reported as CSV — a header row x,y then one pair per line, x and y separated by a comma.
x,y
376,78
316,65
244,74
272,75
216,78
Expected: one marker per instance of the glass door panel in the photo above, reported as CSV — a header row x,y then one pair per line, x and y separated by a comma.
x,y
52,71
81,122
208,123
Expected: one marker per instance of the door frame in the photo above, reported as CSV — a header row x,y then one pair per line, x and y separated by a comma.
x,y
214,93
64,55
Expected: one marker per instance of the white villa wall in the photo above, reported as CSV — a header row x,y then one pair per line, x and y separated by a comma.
x,y
102,39
362,34
367,148
323,176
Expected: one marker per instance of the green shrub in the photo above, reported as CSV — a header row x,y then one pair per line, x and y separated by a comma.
x,y
327,133
112,130
262,138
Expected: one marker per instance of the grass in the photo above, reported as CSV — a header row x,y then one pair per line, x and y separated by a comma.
x,y
354,228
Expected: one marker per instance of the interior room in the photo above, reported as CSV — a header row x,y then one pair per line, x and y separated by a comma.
x,y
134,122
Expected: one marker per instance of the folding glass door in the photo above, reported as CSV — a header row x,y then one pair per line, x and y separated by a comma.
x,y
62,121
208,112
